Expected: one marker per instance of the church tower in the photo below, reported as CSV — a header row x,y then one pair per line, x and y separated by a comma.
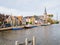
x,y
45,15
45,12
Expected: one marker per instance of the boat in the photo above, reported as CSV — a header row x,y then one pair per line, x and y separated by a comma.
x,y
45,24
29,26
17,28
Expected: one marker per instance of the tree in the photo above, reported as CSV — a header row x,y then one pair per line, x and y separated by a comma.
x,y
50,21
50,15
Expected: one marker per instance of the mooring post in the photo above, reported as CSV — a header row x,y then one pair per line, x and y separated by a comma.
x,y
26,41
16,42
34,40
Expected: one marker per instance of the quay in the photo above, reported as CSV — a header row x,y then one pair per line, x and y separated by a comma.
x,y
10,28
18,27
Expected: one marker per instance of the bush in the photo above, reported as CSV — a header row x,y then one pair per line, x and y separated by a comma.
x,y
56,22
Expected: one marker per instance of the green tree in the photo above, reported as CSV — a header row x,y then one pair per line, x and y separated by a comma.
x,y
50,15
50,20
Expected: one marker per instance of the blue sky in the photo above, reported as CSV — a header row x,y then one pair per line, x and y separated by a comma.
x,y
30,7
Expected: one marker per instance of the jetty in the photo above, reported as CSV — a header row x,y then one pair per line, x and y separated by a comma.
x,y
18,27
11,28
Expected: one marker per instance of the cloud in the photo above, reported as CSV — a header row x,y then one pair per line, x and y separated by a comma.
x,y
29,7
9,11
14,12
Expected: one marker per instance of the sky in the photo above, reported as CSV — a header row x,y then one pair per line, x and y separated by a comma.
x,y
30,7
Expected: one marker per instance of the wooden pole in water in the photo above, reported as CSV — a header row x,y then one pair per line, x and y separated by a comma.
x,y
26,41
16,42
34,40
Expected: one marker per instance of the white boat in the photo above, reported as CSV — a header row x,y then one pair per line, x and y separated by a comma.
x,y
29,26
45,24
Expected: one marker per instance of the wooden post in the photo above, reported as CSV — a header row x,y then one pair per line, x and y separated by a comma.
x,y
16,42
34,40
26,41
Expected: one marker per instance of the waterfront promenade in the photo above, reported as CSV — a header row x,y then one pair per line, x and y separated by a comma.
x,y
45,35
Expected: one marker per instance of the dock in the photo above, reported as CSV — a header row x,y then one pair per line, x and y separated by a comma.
x,y
10,28
16,28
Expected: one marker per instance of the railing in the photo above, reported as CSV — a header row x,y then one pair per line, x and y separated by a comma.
x,y
27,42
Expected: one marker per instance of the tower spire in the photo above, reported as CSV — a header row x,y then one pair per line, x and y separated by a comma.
x,y
45,12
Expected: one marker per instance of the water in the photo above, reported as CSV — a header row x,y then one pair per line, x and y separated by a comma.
x,y
45,35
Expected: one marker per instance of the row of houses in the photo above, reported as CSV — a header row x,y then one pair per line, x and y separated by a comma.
x,y
19,20
14,20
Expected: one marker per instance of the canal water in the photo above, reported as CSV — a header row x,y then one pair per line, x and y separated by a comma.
x,y
45,35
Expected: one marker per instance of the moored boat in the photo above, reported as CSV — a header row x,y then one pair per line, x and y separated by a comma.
x,y
18,28
29,26
45,24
